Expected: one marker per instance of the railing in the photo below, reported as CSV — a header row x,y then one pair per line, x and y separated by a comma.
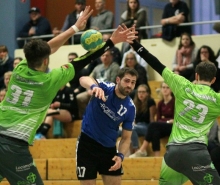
x,y
25,39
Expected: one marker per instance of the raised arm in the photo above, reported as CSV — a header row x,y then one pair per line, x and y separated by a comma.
x,y
148,57
80,24
90,83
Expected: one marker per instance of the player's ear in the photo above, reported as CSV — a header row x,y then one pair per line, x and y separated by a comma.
x,y
196,76
117,79
213,80
46,61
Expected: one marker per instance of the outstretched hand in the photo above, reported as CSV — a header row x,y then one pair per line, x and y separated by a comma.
x,y
124,34
84,16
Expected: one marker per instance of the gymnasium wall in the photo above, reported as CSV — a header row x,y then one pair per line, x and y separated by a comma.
x,y
163,50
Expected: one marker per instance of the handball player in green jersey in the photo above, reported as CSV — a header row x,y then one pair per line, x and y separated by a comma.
x,y
29,95
196,108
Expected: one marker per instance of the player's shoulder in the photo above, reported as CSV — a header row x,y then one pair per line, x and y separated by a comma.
x,y
105,84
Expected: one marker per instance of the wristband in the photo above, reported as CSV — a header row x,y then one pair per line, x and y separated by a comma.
x,y
93,85
121,155
75,28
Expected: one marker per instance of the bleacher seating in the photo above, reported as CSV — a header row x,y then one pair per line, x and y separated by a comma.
x,y
55,159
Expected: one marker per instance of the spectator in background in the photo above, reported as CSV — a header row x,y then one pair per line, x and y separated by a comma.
x,y
139,59
7,77
145,113
63,108
185,56
2,94
17,60
204,54
74,83
162,127
216,27
36,26
174,13
131,62
6,63
135,15
106,71
72,18
104,18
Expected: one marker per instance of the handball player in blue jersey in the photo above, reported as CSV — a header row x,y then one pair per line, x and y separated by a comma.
x,y
109,107
196,108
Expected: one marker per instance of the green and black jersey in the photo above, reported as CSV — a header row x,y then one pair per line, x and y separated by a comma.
x,y
196,106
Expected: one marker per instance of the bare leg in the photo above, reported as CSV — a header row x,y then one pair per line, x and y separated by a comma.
x,y
157,153
64,116
88,182
143,147
111,180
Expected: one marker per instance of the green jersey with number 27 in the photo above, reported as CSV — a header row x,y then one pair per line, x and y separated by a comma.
x,y
196,107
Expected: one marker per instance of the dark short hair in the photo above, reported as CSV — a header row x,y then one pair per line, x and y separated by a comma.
x,y
35,52
73,53
206,71
126,70
3,48
18,58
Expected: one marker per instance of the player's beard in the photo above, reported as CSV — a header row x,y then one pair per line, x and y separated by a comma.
x,y
125,91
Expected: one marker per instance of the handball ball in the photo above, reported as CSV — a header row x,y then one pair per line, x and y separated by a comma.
x,y
91,40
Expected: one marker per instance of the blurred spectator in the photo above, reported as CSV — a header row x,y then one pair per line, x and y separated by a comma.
x,y
36,26
205,53
72,18
145,113
63,108
115,51
135,15
131,62
216,27
72,56
140,60
163,126
7,77
104,18
17,60
185,56
106,71
74,83
6,63
2,94
174,13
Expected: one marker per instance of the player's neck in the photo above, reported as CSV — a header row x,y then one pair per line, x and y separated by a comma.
x,y
118,94
201,82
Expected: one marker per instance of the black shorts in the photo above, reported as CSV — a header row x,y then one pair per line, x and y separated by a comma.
x,y
16,162
92,157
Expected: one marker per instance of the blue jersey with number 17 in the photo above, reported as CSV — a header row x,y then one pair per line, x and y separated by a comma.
x,y
196,107
102,119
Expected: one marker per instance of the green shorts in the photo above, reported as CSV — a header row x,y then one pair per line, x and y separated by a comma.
x,y
190,161
16,163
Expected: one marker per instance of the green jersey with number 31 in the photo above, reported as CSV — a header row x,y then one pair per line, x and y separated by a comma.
x,y
28,97
196,107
